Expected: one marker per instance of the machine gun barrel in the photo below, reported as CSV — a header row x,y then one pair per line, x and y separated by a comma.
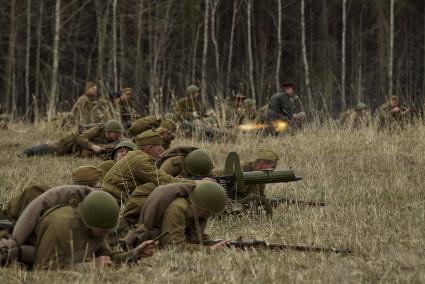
x,y
269,176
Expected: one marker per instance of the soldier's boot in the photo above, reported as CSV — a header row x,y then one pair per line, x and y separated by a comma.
x,y
39,150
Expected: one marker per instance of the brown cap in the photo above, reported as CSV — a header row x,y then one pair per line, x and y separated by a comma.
x,y
168,125
394,98
149,137
86,175
89,85
266,154
287,85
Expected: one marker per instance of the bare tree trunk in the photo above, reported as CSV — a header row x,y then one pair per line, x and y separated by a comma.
x,y
102,22
114,43
54,84
137,74
250,57
214,39
194,56
27,57
10,62
305,62
37,63
279,43
232,36
343,67
205,51
391,50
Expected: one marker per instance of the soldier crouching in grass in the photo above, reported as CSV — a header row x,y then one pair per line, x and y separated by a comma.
x,y
182,210
97,140
69,235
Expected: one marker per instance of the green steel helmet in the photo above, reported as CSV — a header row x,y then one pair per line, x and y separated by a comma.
x,y
199,163
99,210
126,144
192,89
123,144
209,196
114,126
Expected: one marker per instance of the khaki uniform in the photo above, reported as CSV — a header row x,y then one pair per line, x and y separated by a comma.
x,y
62,239
391,120
354,119
94,135
166,210
82,110
186,106
175,166
143,124
135,169
103,111
17,204
135,203
105,166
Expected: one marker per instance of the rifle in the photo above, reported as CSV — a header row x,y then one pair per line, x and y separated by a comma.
x,y
277,201
258,244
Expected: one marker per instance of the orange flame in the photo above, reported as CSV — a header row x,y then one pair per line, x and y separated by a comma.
x,y
280,125
252,126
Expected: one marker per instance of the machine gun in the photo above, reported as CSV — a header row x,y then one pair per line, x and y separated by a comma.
x,y
257,244
235,180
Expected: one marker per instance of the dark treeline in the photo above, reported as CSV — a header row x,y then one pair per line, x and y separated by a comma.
x,y
159,47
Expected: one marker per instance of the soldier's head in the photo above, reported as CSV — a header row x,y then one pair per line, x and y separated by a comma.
x,y
126,94
90,89
265,159
249,105
199,163
288,88
113,130
208,198
394,101
122,148
99,212
87,175
150,142
193,91
167,130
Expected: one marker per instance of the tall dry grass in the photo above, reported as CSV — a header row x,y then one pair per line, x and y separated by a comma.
x,y
373,184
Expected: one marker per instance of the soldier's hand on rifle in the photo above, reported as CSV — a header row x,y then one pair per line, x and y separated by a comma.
x,y
146,249
102,260
219,245
204,180
97,148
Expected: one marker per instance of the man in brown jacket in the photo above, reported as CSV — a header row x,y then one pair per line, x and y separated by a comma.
x,y
138,167
82,109
98,140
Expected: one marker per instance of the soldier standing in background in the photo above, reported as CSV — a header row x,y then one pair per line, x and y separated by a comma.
x,y
189,107
82,109
285,106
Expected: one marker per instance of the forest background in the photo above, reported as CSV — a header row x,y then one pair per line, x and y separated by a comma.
x,y
337,52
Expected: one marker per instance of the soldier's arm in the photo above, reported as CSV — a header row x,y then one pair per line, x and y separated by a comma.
x,y
170,167
85,138
148,172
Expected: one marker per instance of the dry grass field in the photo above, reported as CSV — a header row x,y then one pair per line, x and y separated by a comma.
x,y
373,184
